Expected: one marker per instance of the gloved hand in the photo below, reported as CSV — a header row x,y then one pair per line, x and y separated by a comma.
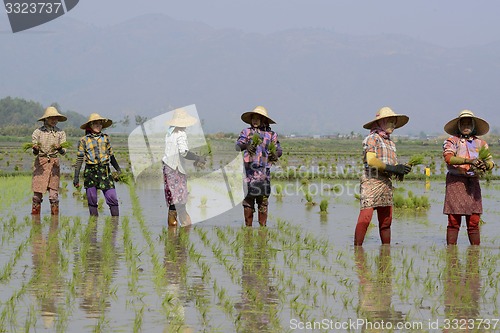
x,y
200,161
36,149
479,164
76,182
398,169
251,149
116,175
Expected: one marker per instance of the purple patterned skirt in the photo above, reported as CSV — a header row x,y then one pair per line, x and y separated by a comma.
x,y
176,191
463,195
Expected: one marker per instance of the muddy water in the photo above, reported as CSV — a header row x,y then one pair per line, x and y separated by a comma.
x,y
132,274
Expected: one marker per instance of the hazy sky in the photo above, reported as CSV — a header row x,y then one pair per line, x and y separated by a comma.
x,y
442,22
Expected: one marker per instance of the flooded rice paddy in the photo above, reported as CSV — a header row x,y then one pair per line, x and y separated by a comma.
x,y
300,274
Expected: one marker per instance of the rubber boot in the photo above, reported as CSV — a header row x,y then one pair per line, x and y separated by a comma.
x,y
184,218
451,236
385,235
114,210
263,216
248,213
93,211
360,233
473,228
36,206
172,218
474,237
54,207
364,219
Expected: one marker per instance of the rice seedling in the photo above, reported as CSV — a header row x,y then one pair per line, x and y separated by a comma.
x,y
256,139
416,160
272,148
122,177
323,206
484,153
309,199
278,191
29,145
203,201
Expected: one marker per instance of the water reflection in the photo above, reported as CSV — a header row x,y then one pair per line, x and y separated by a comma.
x,y
258,295
462,285
175,263
99,264
47,281
375,289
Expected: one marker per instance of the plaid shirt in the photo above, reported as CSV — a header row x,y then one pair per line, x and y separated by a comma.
x,y
384,149
96,148
47,138
257,166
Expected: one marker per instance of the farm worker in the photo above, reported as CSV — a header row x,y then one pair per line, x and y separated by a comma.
x,y
95,148
380,163
261,149
463,192
47,141
174,170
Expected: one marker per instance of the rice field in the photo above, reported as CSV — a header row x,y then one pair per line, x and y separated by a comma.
x,y
73,273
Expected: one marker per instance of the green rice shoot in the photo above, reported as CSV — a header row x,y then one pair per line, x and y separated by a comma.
x,y
272,148
256,139
121,177
484,153
416,160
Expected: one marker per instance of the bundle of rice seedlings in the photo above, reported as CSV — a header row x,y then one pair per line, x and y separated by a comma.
x,y
484,153
416,160
256,139
121,177
64,145
323,206
272,148
29,145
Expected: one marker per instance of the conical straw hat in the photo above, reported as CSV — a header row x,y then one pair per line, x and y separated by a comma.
x,y
181,119
52,112
481,127
387,112
247,116
95,116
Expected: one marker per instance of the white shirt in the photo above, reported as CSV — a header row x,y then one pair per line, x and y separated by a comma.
x,y
176,144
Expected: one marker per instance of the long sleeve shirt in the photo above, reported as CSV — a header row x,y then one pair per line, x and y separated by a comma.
x,y
95,148
176,145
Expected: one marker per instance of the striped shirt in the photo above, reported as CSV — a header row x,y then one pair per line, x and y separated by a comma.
x,y
466,148
47,138
96,148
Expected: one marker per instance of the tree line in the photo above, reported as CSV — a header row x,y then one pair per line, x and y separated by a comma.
x,y
20,117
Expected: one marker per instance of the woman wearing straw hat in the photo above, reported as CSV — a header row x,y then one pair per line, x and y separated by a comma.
x,y
463,192
47,141
95,148
261,149
174,173
380,163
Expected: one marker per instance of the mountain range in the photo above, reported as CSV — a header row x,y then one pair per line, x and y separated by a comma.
x,y
312,81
